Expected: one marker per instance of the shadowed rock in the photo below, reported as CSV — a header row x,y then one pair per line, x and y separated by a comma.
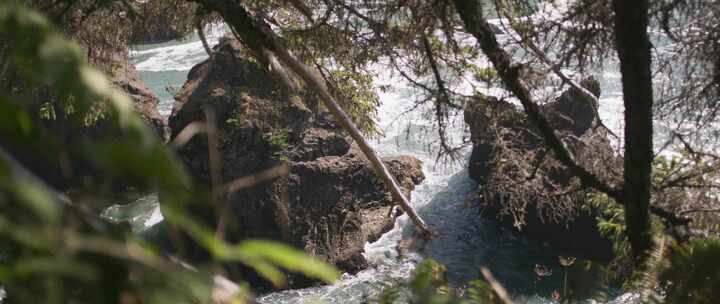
x,y
145,101
524,187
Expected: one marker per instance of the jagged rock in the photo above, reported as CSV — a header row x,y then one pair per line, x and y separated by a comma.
x,y
507,149
337,205
316,142
145,101
330,204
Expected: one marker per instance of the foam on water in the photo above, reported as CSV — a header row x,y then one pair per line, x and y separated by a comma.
x,y
180,55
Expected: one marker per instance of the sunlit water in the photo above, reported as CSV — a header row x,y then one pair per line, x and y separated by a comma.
x,y
466,241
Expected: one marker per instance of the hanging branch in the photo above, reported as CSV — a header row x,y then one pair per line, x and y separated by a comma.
x,y
201,35
442,99
555,68
260,38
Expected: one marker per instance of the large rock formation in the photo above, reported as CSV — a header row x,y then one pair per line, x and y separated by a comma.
x,y
524,187
330,204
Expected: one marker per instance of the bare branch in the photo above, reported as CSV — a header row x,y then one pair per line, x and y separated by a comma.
x,y
527,41
188,133
496,286
201,35
252,180
699,211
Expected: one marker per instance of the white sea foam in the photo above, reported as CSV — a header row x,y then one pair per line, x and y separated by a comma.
x,y
178,57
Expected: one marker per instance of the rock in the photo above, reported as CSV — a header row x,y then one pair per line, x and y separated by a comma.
x,y
316,142
145,101
336,205
330,204
507,149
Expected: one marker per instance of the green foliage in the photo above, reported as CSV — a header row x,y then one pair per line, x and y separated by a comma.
x,y
611,224
485,75
278,140
611,221
47,111
55,250
622,269
686,182
357,97
694,273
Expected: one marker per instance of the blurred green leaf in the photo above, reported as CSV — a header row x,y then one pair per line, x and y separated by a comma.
x,y
290,259
258,254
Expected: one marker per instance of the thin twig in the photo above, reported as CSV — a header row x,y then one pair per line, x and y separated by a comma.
x,y
188,133
496,286
201,35
252,180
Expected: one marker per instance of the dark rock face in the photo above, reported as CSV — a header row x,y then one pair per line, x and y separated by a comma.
x,y
330,203
145,101
337,205
506,150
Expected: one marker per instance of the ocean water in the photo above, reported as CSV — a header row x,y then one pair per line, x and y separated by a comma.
x,y
466,241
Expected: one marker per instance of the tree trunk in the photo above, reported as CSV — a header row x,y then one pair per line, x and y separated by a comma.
x,y
633,47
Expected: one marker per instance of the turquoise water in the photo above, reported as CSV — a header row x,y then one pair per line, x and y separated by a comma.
x,y
164,83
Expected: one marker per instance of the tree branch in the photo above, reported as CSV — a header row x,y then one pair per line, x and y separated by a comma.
x,y
527,41
201,35
442,98
476,25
